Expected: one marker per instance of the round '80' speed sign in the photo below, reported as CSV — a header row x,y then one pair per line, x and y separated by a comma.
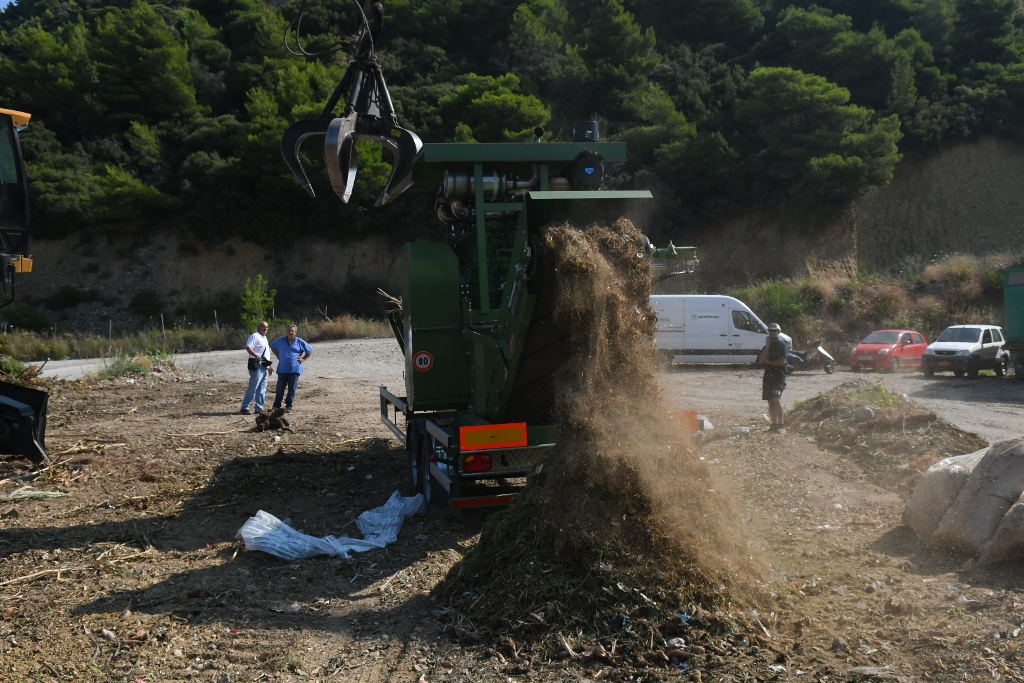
x,y
423,361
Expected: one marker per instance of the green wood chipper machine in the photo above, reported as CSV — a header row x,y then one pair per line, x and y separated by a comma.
x,y
475,323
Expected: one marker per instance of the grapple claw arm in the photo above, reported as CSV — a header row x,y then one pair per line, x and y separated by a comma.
x,y
292,141
369,115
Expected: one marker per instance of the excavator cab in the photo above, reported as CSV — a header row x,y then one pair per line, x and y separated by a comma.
x,y
22,409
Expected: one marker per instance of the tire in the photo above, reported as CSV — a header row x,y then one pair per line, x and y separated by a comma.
x,y
830,368
929,372
894,365
1002,367
958,373
972,368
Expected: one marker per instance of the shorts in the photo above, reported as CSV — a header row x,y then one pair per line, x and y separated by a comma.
x,y
773,384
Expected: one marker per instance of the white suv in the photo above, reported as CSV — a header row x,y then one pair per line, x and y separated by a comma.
x,y
967,349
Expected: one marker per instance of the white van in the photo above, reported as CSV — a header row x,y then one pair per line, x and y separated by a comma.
x,y
699,328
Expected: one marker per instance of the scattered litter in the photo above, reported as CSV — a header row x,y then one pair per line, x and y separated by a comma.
x,y
873,672
30,492
380,527
741,431
286,607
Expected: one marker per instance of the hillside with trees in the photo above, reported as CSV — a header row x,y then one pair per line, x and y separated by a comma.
x,y
168,116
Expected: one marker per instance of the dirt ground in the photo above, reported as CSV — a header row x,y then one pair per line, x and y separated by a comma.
x,y
135,574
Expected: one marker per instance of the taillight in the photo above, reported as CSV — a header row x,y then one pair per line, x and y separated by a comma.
x,y
476,463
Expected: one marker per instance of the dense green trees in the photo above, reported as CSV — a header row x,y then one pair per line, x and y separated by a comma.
x,y
170,115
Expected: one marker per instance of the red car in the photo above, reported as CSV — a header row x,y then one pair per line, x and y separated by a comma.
x,y
889,350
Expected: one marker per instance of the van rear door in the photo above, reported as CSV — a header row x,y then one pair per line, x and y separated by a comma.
x,y
670,311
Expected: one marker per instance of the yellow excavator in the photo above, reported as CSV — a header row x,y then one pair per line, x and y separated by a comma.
x,y
22,409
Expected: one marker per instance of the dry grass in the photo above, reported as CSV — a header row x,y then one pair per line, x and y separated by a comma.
x,y
840,302
30,346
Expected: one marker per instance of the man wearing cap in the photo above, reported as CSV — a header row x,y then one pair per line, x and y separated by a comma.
x,y
773,357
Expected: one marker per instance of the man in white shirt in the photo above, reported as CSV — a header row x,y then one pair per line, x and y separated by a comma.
x,y
259,368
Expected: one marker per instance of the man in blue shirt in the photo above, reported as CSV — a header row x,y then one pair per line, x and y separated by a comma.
x,y
292,353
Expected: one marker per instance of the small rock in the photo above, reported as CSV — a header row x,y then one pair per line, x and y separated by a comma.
x,y
897,606
840,645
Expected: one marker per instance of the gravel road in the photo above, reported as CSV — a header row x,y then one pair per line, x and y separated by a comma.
x,y
991,407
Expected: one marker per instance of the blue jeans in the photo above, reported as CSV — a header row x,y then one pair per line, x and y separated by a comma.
x,y
257,388
286,379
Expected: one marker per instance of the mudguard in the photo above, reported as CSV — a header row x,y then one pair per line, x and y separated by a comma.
x,y
23,422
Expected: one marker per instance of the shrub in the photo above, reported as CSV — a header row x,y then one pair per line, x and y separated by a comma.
x,y
11,366
257,302
777,301
26,317
125,364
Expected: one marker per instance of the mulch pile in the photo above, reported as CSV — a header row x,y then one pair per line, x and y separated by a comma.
x,y
619,552
892,438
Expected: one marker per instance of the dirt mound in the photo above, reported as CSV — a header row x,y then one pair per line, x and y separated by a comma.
x,y
620,543
892,438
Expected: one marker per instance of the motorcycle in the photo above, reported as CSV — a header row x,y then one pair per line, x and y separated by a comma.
x,y
814,356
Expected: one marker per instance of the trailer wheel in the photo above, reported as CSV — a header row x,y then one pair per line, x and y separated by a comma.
x,y
433,492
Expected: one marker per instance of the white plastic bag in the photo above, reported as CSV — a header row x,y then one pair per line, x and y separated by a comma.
x,y
1008,542
380,527
993,487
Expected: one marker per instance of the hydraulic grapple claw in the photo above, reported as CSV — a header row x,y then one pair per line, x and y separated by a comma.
x,y
340,155
369,114
292,141
405,149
